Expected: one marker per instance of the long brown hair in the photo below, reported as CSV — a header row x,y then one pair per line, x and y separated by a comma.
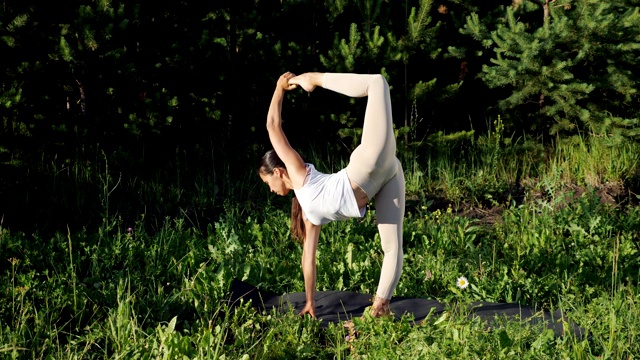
x,y
270,161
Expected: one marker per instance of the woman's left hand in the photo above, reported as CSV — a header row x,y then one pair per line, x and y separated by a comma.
x,y
309,308
283,81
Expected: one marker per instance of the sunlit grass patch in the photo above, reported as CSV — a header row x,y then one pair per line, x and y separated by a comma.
x,y
158,286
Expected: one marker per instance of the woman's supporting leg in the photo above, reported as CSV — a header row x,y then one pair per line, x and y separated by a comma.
x,y
373,161
390,202
375,168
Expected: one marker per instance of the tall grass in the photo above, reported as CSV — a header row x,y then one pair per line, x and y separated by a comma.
x,y
164,295
492,169
124,289
593,161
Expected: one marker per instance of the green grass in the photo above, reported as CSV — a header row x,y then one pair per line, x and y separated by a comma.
x,y
492,170
159,291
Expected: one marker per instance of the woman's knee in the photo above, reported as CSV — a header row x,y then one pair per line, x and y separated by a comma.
x,y
378,81
390,238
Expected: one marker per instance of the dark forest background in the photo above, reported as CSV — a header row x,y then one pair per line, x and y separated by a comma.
x,y
157,109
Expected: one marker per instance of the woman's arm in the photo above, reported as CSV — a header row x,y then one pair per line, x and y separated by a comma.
x,y
309,266
292,160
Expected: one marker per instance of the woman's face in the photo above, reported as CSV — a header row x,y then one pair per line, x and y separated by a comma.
x,y
276,182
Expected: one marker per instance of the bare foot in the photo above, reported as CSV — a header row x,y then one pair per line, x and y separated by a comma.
x,y
380,307
307,81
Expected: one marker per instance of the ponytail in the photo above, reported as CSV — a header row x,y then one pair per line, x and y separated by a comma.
x,y
269,162
297,222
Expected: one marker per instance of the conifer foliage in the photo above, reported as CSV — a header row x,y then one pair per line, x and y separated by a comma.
x,y
567,66
144,78
385,38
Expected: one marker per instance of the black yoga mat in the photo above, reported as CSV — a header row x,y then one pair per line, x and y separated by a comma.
x,y
337,306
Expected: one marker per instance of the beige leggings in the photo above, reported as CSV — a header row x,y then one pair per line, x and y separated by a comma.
x,y
375,168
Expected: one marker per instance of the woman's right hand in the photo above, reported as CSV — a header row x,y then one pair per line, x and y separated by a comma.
x,y
283,81
309,308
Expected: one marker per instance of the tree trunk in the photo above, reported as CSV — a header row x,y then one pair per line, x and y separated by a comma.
x,y
545,8
406,85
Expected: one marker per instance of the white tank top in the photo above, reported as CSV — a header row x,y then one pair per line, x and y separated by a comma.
x,y
327,197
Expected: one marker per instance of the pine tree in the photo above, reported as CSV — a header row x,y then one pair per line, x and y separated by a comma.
x,y
568,65
389,36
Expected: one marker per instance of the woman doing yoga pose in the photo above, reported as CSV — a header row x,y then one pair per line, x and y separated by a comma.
x,y
373,171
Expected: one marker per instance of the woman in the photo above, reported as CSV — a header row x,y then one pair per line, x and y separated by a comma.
x,y
373,171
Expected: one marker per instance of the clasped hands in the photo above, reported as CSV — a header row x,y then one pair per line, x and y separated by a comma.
x,y
283,81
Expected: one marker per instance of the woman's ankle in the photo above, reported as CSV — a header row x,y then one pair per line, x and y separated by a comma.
x,y
380,307
317,78
308,81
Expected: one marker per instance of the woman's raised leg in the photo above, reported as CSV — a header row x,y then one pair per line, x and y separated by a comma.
x,y
378,139
372,163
